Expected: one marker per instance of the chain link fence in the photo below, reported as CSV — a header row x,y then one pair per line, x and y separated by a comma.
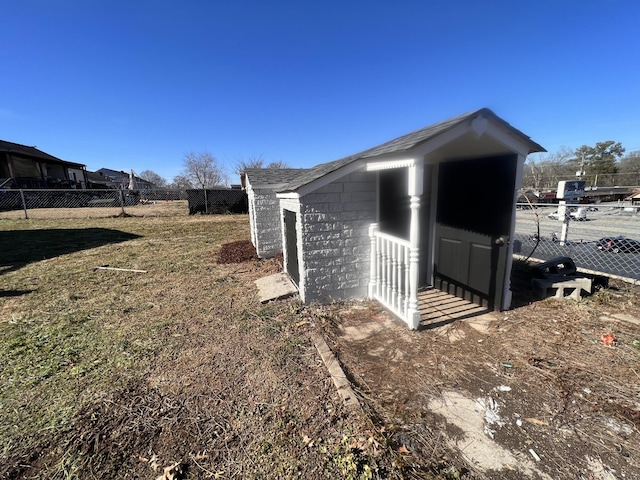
x,y
549,180
606,241
59,203
594,243
47,204
217,200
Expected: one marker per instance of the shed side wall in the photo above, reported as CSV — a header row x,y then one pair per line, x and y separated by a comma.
x,y
267,228
335,223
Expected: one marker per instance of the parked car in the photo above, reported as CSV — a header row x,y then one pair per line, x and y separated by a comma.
x,y
618,245
579,214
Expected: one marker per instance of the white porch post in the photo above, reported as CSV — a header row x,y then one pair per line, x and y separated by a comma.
x,y
373,275
415,190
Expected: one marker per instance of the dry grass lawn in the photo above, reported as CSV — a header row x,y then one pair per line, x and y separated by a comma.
x,y
117,374
181,373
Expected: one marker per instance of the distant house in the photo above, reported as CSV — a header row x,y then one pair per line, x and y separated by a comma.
x,y
27,167
120,180
98,181
433,208
635,198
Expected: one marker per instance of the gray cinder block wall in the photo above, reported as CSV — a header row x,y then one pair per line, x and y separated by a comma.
x,y
334,225
266,233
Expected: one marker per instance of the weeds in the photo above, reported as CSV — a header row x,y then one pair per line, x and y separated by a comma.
x,y
602,297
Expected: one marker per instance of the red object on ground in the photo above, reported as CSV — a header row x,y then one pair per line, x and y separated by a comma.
x,y
608,339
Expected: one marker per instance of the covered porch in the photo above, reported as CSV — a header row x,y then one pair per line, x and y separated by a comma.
x,y
446,214
434,208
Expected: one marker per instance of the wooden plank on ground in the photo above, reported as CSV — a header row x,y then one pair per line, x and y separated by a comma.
x,y
340,380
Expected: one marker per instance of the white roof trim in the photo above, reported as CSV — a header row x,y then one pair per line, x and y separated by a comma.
x,y
293,195
509,141
388,164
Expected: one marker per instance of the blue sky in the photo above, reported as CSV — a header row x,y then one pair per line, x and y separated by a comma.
x,y
136,84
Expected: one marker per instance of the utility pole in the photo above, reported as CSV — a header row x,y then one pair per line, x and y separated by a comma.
x,y
580,173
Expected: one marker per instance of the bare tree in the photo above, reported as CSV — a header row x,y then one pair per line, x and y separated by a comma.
x,y
153,177
545,170
202,169
180,182
278,164
255,161
629,169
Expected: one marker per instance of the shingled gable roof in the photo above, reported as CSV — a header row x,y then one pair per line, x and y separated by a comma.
x,y
273,176
404,143
32,152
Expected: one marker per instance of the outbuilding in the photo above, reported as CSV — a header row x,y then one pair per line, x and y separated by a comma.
x,y
433,208
265,219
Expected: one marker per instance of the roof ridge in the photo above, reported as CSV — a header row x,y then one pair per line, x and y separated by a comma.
x,y
404,142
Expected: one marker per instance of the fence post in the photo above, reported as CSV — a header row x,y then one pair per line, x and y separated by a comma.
x,y
121,201
24,205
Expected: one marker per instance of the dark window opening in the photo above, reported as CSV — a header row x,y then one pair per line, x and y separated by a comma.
x,y
477,194
395,212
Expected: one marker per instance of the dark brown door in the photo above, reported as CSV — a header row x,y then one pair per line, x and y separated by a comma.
x,y
473,221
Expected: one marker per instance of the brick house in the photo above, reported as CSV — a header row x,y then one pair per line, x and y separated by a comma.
x,y
22,166
433,208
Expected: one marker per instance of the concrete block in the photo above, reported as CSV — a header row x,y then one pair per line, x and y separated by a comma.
x,y
275,286
561,287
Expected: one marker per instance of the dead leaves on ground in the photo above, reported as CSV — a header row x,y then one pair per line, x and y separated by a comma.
x,y
178,470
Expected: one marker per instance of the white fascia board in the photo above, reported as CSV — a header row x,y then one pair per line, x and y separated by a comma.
x,y
329,178
290,195
375,165
480,127
512,143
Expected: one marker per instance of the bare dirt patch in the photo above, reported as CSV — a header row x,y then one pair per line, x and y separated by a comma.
x,y
534,392
237,252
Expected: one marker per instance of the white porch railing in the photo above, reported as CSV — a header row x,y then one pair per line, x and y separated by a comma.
x,y
389,282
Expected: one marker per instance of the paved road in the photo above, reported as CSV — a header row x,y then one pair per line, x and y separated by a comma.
x,y
607,221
